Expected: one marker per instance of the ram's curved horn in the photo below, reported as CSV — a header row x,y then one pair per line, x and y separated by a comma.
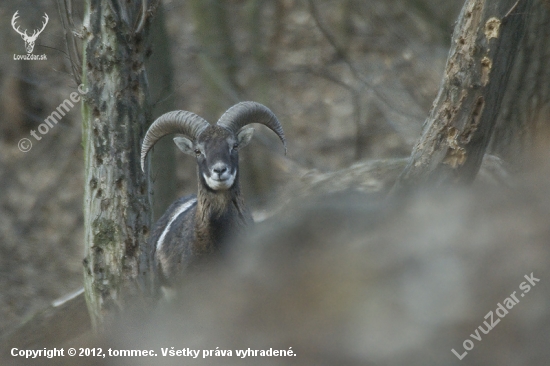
x,y
186,123
244,113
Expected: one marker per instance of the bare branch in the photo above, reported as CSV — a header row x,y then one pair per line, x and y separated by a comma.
x,y
342,54
70,40
143,16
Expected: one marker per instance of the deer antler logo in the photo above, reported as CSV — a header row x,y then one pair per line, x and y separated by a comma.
x,y
29,40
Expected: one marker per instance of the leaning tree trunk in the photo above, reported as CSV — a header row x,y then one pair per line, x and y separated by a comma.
x,y
456,134
115,116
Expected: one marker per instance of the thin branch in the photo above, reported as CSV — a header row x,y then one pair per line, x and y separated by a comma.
x,y
67,18
331,39
115,11
342,54
143,16
511,10
69,11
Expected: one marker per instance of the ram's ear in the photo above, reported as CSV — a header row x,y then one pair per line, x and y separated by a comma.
x,y
185,145
244,136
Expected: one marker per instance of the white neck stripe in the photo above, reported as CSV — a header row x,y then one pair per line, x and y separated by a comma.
x,y
182,209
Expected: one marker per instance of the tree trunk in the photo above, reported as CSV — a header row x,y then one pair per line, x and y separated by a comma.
x,y
456,134
522,125
115,116
217,59
160,73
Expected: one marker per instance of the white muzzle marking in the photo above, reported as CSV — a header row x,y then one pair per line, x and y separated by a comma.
x,y
221,182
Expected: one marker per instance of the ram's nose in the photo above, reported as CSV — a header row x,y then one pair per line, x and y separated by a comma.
x,y
219,170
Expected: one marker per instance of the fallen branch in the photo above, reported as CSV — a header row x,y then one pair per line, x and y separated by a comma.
x,y
64,320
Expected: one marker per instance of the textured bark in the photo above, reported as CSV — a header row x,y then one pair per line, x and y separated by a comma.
x,y
456,134
115,116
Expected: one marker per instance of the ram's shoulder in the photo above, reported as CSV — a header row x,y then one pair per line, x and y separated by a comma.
x,y
178,209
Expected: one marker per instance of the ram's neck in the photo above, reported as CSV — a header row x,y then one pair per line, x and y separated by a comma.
x,y
219,216
213,204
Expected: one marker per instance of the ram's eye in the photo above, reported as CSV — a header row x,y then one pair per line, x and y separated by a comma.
x,y
235,146
197,152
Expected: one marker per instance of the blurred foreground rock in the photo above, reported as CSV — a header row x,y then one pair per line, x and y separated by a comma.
x,y
351,279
